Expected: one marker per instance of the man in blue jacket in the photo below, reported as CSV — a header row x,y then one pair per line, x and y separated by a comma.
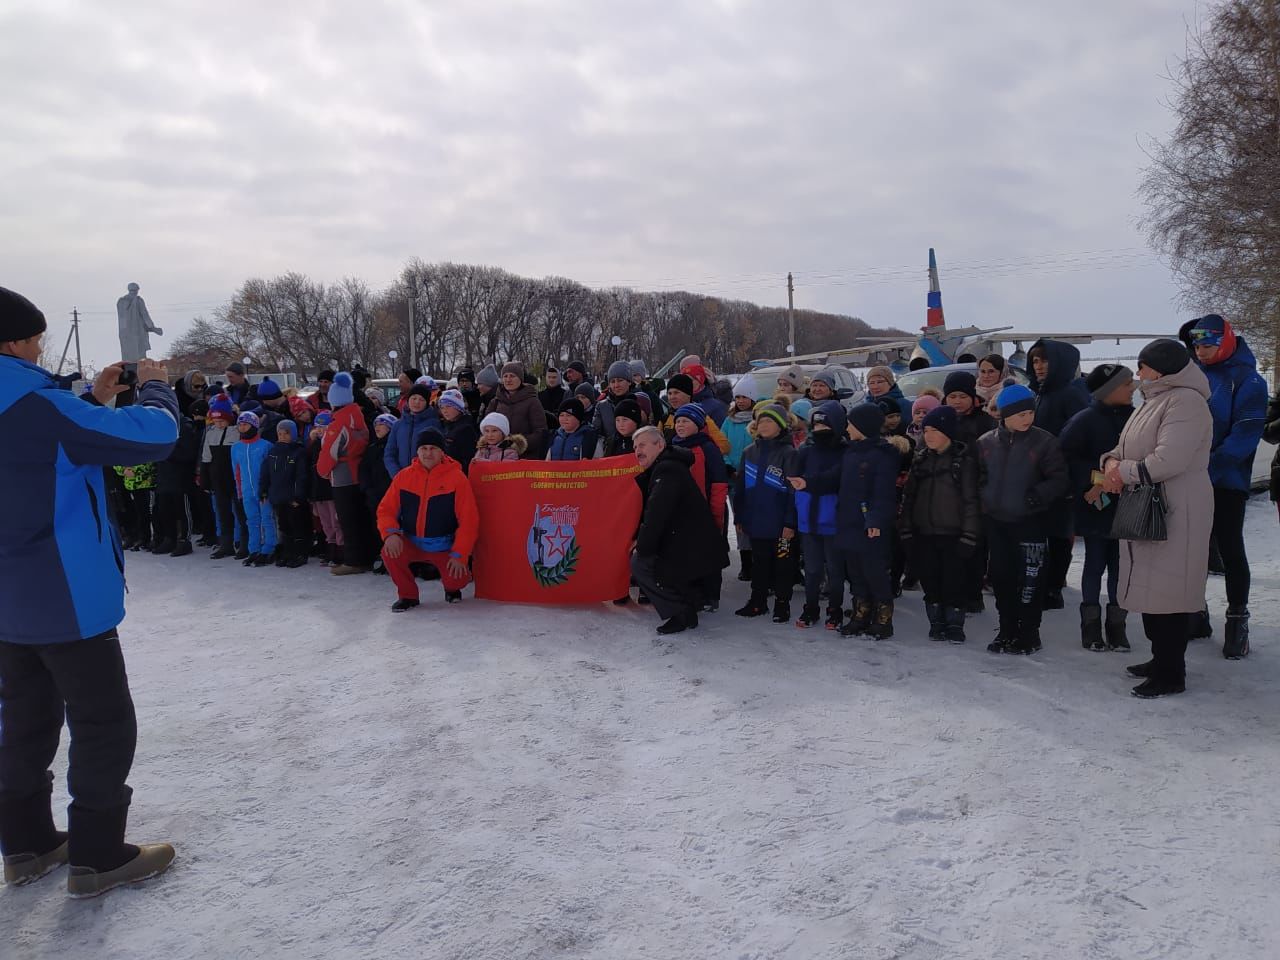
x,y
1238,402
62,597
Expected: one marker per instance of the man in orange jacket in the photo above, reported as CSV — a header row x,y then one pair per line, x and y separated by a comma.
x,y
429,515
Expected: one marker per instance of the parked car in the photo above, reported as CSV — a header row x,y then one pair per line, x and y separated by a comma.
x,y
848,387
912,383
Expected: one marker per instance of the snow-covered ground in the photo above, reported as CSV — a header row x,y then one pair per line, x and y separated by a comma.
x,y
495,781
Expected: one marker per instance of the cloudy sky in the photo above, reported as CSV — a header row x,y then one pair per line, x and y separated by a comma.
x,y
708,146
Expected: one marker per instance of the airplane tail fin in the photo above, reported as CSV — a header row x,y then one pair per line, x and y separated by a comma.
x,y
933,315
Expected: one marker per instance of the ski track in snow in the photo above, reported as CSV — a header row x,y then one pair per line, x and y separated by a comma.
x,y
498,781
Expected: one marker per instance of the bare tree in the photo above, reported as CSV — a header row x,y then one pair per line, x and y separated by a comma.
x,y
1213,188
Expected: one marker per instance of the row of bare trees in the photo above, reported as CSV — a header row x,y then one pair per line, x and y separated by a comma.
x,y
1213,187
473,315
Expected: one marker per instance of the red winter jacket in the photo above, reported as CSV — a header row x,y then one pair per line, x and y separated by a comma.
x,y
343,446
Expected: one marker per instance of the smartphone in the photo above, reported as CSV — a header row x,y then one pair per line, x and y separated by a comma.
x,y
128,378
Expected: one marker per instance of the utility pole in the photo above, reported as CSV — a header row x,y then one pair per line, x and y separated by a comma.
x,y
75,332
413,331
791,315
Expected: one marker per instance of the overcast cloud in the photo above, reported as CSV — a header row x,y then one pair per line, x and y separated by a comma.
x,y
709,146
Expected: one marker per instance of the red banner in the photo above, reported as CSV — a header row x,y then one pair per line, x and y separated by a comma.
x,y
555,532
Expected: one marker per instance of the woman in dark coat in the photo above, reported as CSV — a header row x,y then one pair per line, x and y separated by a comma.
x,y
519,403
1085,438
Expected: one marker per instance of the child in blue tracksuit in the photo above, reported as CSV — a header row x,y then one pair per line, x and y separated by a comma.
x,y
814,516
248,458
574,440
761,505
866,509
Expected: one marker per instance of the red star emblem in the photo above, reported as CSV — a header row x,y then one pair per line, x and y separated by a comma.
x,y
558,543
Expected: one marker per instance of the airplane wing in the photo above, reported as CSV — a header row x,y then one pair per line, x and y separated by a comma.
x,y
843,355
1031,336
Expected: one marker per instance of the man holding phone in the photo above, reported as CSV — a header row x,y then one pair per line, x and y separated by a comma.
x,y
1085,438
62,596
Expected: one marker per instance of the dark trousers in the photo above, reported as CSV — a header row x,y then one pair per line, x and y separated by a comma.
x,y
231,524
1018,564
357,527
202,519
1059,561
822,558
669,599
1168,633
293,528
241,522
142,503
84,681
975,571
943,574
866,567
1101,555
769,572
1228,533
171,517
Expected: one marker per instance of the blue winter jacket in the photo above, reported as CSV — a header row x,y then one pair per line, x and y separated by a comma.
x,y
402,447
579,445
61,569
716,410
816,513
866,482
735,430
761,494
248,462
1238,402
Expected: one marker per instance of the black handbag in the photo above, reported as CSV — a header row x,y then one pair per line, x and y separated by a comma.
x,y
1140,513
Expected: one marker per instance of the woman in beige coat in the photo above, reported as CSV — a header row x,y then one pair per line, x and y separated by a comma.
x,y
1164,580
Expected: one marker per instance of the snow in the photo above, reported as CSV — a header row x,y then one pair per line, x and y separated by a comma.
x,y
490,781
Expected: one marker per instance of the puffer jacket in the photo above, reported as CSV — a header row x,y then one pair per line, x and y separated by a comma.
x,y
579,445
343,447
525,415
1238,403
1085,438
512,448
401,449
811,512
941,498
1063,394
1171,434
761,494
1022,477
435,509
866,484
709,471
286,476
736,430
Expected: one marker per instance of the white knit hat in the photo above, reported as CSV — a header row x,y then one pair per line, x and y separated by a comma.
x,y
498,420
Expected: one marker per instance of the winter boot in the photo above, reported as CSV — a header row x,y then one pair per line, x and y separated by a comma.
x,y
882,625
835,617
453,596
1235,644
1053,600
250,560
808,616
955,625
281,556
937,615
1141,669
757,606
242,552
1201,626
163,546
1028,642
23,868
781,611
977,605
262,560
401,605
859,619
225,549
1006,637
677,624
152,860
1091,626
745,573
349,569
1151,688
1117,639
181,548
335,556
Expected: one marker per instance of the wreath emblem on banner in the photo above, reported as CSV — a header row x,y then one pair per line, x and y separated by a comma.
x,y
552,546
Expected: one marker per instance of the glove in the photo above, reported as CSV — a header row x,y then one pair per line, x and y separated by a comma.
x,y
965,549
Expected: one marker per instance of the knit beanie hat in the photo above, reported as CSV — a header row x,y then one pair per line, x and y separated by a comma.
x,y
417,390
620,370
682,382
297,405
453,398
802,408
488,377
926,403
466,373
250,406
793,376
514,368
888,406
430,437
824,376
960,381
867,419
428,382
775,412
386,419
638,369
322,375
250,418
696,372
19,317
694,412
573,407
220,406
268,389
1164,356
586,390
289,427
198,408
577,366
1015,399
498,420
323,418
413,373
942,418
630,409
342,392
236,367
1105,377
882,371
746,387
831,413
375,395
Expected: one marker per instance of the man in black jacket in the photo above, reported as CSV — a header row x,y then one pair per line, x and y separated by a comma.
x,y
555,393
678,543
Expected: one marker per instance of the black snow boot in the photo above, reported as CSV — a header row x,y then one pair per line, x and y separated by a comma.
x,y
1235,645
1028,642
859,619
937,615
225,549
835,617
400,606
1141,669
757,606
745,573
808,616
882,624
1117,638
162,546
1152,687
1091,627
955,625
781,611
1053,600
181,548
1201,626
242,552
